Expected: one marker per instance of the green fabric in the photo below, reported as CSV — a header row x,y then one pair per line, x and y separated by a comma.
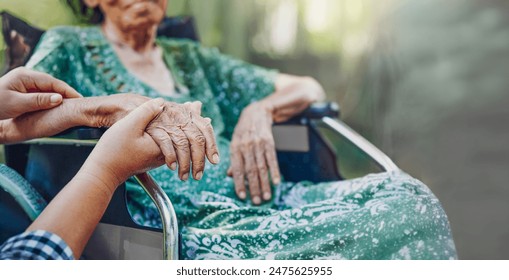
x,y
380,216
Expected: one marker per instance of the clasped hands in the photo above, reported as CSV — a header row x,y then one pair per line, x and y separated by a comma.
x,y
184,137
34,104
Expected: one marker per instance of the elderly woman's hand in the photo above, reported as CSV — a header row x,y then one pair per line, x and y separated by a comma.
x,y
253,153
104,111
126,148
23,90
185,138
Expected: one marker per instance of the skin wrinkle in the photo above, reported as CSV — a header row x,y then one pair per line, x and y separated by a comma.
x,y
98,182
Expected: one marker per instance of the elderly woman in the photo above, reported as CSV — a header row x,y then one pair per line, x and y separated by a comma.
x,y
383,216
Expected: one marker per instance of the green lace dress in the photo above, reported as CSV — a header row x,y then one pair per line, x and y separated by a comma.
x,y
380,216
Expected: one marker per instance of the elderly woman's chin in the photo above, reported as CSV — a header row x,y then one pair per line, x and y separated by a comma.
x,y
142,15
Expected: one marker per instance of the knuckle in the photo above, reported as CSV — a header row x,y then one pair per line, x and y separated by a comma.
x,y
166,141
211,145
239,186
154,132
199,140
258,142
40,100
251,173
198,162
209,128
245,145
184,166
268,144
262,169
181,143
234,146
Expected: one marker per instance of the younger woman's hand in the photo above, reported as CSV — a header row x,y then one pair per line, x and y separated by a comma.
x,y
23,91
126,148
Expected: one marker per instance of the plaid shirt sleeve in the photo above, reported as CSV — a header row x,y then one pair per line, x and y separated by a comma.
x,y
35,245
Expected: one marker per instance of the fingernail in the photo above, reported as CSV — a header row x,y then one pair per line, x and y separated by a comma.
x,y
256,200
185,177
198,175
55,98
242,195
160,101
215,158
277,181
267,196
173,166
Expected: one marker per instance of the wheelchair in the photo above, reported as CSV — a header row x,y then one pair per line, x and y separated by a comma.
x,y
304,154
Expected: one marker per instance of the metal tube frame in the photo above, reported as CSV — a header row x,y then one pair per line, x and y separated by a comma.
x,y
167,213
379,157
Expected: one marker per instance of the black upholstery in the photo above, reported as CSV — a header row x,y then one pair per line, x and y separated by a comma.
x,y
20,39
319,163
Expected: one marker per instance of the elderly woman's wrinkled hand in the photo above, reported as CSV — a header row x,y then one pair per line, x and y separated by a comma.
x,y
23,90
104,111
185,138
253,153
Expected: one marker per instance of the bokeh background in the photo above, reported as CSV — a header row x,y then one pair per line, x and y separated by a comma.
x,y
426,81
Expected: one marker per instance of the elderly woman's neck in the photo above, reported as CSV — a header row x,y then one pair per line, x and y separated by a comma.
x,y
140,40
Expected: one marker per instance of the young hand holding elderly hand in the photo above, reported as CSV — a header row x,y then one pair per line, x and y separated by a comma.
x,y
23,91
184,137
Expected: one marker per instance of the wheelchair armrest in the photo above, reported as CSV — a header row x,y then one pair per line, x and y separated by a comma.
x,y
320,110
303,154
